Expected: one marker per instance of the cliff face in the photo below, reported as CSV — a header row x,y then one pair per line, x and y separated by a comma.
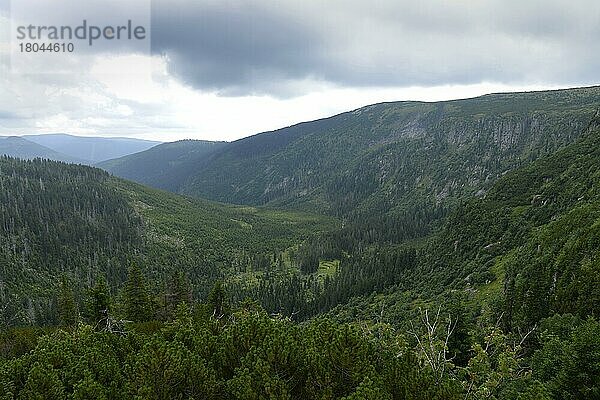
x,y
395,156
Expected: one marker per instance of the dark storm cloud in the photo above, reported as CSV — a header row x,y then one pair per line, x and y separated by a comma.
x,y
241,47
229,46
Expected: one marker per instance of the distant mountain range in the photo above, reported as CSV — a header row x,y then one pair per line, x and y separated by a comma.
x,y
400,158
165,166
19,147
484,211
73,149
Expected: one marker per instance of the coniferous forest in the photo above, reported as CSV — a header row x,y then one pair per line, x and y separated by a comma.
x,y
460,260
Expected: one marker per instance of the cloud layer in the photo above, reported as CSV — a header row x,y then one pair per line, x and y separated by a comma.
x,y
224,69
268,46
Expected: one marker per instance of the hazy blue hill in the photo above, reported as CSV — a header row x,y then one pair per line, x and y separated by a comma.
x,y
92,149
18,147
165,166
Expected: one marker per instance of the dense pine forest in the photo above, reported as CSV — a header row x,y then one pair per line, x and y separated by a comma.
x,y
62,221
391,276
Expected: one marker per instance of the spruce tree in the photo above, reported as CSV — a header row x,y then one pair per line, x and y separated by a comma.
x,y
178,290
98,306
136,299
67,307
217,300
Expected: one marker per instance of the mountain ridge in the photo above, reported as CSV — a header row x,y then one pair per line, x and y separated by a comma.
x,y
17,146
92,149
163,166
393,158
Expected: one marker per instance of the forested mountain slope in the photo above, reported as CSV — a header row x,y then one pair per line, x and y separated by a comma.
x,y
165,166
508,251
77,222
529,248
395,156
395,167
389,155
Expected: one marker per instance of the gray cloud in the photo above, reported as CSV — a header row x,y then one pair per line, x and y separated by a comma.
x,y
267,46
7,115
367,50
233,46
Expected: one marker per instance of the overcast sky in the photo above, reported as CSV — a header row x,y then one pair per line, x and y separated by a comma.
x,y
221,69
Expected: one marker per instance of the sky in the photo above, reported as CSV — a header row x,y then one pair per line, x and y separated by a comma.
x,y
226,69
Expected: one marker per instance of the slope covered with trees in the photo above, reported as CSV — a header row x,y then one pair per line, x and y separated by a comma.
x,y
139,293
76,222
166,166
528,249
391,157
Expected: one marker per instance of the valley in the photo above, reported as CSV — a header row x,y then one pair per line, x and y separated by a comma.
x,y
402,250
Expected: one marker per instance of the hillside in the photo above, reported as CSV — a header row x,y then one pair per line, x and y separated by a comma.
x,y
165,166
528,249
525,250
60,220
210,291
395,156
91,149
398,159
14,146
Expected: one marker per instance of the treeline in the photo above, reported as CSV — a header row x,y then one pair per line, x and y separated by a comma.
x,y
305,295
215,350
58,219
